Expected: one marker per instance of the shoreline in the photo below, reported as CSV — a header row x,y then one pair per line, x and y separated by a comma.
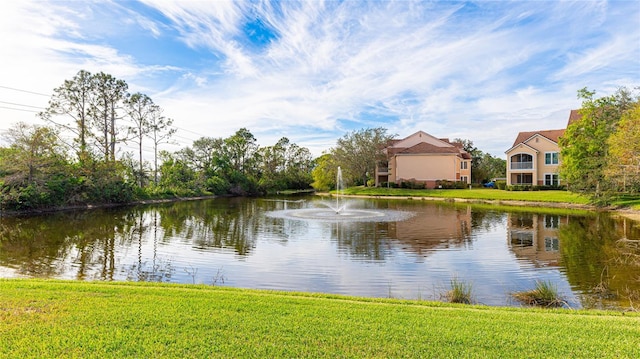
x,y
623,212
89,206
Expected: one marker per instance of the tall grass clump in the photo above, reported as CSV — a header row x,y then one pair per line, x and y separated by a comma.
x,y
545,294
460,292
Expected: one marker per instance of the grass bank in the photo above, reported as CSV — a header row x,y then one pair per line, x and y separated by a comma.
x,y
480,194
44,319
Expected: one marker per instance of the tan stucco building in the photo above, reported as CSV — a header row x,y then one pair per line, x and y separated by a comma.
x,y
423,158
534,159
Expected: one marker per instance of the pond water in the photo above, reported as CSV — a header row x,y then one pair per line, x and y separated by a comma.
x,y
592,258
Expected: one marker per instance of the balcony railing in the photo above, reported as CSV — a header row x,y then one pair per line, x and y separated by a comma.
x,y
521,165
383,170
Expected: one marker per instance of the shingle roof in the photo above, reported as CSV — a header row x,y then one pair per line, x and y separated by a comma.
x,y
552,135
428,148
574,116
424,147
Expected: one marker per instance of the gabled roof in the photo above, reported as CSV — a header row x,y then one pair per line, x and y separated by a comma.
x,y
424,147
574,116
424,143
522,144
552,135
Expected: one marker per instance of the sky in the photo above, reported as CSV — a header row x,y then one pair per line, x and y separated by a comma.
x,y
314,71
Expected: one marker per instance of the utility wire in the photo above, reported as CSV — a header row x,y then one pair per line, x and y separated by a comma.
x,y
19,109
27,91
19,104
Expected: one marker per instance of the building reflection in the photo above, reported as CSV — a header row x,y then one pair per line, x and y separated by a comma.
x,y
433,227
535,237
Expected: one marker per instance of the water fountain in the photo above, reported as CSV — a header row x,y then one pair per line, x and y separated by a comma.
x,y
341,211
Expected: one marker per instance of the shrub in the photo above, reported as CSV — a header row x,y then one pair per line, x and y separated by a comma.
x,y
217,185
412,184
545,294
460,292
501,185
446,184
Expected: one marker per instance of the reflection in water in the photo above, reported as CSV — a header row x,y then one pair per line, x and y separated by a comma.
x,y
595,259
535,237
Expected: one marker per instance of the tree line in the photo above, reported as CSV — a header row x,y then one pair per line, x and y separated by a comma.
x,y
76,158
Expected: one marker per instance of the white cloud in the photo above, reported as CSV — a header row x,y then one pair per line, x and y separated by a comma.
x,y
482,71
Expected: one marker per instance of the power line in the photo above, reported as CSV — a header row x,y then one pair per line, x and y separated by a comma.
x,y
19,109
27,91
19,104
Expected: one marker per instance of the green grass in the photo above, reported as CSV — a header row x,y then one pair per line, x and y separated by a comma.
x,y
60,319
629,201
474,194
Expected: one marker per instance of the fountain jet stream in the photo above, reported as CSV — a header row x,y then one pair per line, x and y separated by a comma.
x,y
340,211
339,190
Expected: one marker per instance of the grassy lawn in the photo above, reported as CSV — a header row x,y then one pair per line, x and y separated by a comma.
x,y
62,319
475,193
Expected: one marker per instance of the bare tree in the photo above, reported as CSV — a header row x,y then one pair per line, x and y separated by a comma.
x,y
160,131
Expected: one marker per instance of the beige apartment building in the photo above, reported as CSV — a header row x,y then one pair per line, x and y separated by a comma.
x,y
534,159
423,158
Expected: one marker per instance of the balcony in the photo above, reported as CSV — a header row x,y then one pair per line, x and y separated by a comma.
x,y
383,171
522,165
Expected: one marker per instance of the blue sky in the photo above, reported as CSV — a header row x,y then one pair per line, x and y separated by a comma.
x,y
314,70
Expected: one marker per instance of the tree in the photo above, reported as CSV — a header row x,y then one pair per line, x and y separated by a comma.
x,y
285,165
160,131
623,163
493,167
73,99
584,146
241,150
201,155
273,165
176,174
109,93
298,166
140,109
483,165
34,153
325,172
358,152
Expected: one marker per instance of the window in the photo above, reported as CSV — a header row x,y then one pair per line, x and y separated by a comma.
x,y
463,165
521,161
551,158
551,179
551,244
551,221
464,179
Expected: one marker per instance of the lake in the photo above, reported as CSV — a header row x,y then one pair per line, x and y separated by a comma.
x,y
592,258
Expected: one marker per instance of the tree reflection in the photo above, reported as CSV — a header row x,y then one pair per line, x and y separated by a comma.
x,y
601,255
226,223
43,246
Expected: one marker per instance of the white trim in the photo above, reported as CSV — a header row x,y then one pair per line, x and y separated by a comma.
x,y
534,160
539,135
557,157
522,144
544,178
